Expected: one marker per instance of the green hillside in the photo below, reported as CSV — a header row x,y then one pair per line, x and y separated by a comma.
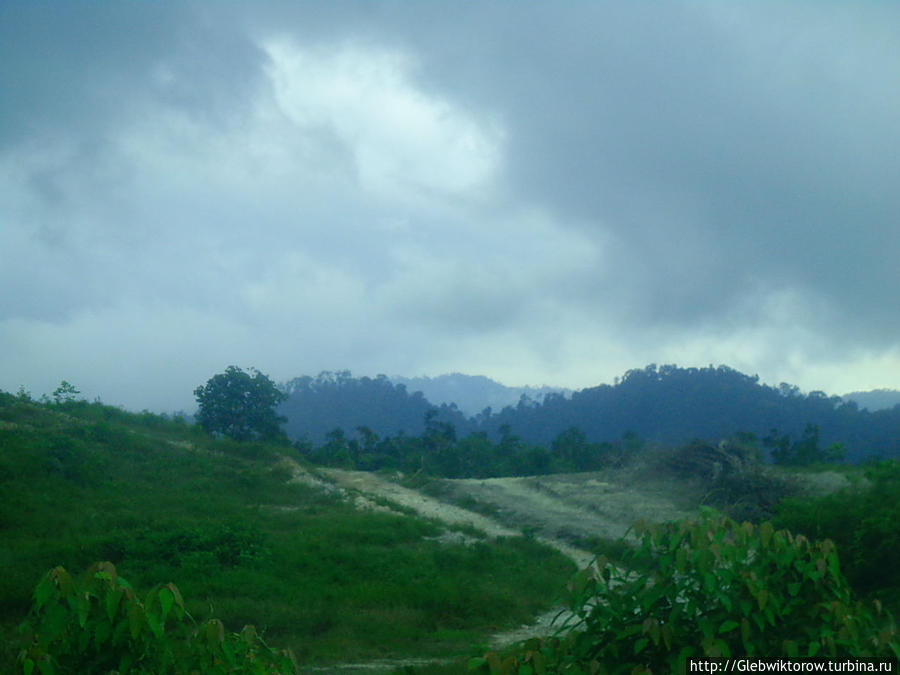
x,y
85,482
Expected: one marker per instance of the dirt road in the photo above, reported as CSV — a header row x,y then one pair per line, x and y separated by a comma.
x,y
558,510
561,510
570,506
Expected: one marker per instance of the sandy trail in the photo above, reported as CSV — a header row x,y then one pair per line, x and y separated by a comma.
x,y
557,509
373,485
560,510
565,507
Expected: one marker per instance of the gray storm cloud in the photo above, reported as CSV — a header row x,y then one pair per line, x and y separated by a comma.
x,y
540,193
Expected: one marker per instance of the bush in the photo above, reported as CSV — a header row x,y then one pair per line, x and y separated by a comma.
x,y
97,624
861,522
711,588
733,477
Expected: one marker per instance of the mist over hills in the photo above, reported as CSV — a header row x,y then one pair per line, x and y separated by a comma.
x,y
473,393
665,404
877,399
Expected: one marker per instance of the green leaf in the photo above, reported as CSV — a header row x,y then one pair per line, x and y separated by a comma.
x,y
84,608
43,592
214,632
102,632
166,598
135,620
56,619
63,581
641,645
156,626
179,602
667,636
249,634
728,626
814,648
760,621
112,602
28,666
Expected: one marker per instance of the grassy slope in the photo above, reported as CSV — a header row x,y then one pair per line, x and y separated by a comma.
x,y
85,482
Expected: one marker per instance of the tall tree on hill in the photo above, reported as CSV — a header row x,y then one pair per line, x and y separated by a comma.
x,y
240,405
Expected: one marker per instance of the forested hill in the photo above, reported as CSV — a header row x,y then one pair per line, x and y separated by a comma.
x,y
666,404
337,400
671,405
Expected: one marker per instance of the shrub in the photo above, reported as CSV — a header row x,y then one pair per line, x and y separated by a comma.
x,y
861,522
710,588
97,624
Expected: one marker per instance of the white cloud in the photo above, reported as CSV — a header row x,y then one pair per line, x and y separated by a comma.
x,y
403,139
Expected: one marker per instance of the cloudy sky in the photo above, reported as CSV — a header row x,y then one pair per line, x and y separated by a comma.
x,y
543,193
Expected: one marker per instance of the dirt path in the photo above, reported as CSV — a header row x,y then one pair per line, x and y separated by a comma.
x,y
561,510
566,507
428,507
557,510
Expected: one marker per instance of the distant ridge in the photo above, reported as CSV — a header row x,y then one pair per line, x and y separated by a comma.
x,y
473,393
877,399
662,404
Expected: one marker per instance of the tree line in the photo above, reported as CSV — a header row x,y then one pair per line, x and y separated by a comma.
x,y
242,406
664,404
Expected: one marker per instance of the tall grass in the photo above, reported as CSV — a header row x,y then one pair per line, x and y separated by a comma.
x,y
85,482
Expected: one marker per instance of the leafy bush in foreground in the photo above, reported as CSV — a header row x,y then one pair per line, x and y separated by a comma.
x,y
98,625
710,588
863,522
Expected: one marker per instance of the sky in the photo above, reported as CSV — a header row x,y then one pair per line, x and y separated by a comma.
x,y
542,193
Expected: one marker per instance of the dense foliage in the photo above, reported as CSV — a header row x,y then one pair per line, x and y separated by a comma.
x,y
316,406
708,588
803,452
864,522
97,623
240,405
438,452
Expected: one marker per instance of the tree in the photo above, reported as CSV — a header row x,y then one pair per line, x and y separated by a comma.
x,y
65,392
804,452
240,405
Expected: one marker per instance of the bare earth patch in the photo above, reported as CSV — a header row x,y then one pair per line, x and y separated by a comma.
x,y
559,510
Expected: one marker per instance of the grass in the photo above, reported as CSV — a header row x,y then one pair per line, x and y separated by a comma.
x,y
85,482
